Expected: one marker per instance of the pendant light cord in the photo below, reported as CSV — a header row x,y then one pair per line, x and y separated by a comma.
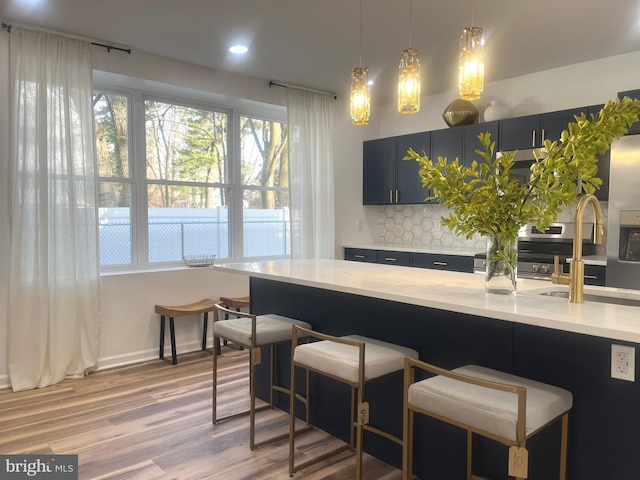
x,y
410,20
360,33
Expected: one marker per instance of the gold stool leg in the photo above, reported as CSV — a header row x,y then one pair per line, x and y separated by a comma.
x,y
359,432
252,406
563,446
215,383
469,454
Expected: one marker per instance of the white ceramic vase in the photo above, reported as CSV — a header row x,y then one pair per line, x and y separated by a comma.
x,y
495,111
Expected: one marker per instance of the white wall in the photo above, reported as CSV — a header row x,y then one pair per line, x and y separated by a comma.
x,y
130,329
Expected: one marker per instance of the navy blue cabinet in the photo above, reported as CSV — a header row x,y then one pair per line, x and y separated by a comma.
x,y
379,171
390,180
409,183
436,261
471,142
520,133
387,178
360,255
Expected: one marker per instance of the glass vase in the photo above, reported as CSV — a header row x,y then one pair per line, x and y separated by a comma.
x,y
502,265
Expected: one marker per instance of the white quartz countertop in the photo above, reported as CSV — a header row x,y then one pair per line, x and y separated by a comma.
x,y
457,292
466,252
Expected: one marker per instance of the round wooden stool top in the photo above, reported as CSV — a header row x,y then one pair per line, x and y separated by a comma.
x,y
235,302
206,305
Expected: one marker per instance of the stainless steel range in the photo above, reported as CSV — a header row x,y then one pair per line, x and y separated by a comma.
x,y
536,249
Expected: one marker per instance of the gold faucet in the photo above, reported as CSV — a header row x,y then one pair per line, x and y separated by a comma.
x,y
575,277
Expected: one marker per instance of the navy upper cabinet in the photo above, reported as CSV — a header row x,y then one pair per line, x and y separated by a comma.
x,y
520,133
379,170
408,180
387,178
635,128
555,122
471,142
447,143
531,131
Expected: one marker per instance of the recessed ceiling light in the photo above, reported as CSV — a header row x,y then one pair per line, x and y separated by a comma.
x,y
238,49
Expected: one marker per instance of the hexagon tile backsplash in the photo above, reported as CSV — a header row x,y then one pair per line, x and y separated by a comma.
x,y
420,225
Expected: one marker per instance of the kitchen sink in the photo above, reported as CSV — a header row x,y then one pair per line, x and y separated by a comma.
x,y
597,297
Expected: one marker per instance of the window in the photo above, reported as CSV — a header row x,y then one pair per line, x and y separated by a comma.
x,y
111,113
181,180
265,188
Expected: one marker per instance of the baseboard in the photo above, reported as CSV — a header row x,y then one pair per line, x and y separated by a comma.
x,y
4,381
130,358
145,355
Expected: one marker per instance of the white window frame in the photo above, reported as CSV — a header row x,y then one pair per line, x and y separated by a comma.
x,y
138,91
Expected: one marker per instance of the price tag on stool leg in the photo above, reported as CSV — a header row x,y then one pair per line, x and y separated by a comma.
x,y
363,413
256,355
518,462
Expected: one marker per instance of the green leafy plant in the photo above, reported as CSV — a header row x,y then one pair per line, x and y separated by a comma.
x,y
484,199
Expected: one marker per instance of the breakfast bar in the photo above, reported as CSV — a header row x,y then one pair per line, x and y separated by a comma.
x,y
450,321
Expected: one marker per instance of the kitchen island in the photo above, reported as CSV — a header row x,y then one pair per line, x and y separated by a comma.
x,y
449,319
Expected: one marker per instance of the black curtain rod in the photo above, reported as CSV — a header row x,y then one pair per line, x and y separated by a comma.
x,y
111,47
8,27
273,83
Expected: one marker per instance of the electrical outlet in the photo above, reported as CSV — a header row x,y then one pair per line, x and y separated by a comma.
x,y
437,227
623,361
359,224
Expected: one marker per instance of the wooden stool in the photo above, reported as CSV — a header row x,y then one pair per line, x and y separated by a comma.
x,y
165,311
234,303
496,405
353,360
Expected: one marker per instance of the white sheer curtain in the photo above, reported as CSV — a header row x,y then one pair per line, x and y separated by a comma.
x,y
53,324
311,174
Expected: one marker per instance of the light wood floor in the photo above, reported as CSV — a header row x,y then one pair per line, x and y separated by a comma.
x,y
153,421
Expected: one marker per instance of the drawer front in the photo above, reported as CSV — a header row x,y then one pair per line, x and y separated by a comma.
x,y
360,255
390,257
452,263
595,275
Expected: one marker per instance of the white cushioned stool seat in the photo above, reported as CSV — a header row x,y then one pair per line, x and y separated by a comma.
x,y
270,328
341,360
488,409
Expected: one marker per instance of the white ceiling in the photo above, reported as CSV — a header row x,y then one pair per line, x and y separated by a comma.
x,y
315,43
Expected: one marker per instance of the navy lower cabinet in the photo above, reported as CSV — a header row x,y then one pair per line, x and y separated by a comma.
x,y
452,263
603,439
435,261
360,255
595,275
390,257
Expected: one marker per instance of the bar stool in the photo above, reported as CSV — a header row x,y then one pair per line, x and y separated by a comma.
x,y
252,332
496,405
354,360
171,312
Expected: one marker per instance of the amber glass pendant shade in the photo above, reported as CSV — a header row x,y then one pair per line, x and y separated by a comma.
x,y
471,65
360,105
409,82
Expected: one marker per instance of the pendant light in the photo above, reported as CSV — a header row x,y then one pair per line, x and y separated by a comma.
x,y
360,104
471,64
409,77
